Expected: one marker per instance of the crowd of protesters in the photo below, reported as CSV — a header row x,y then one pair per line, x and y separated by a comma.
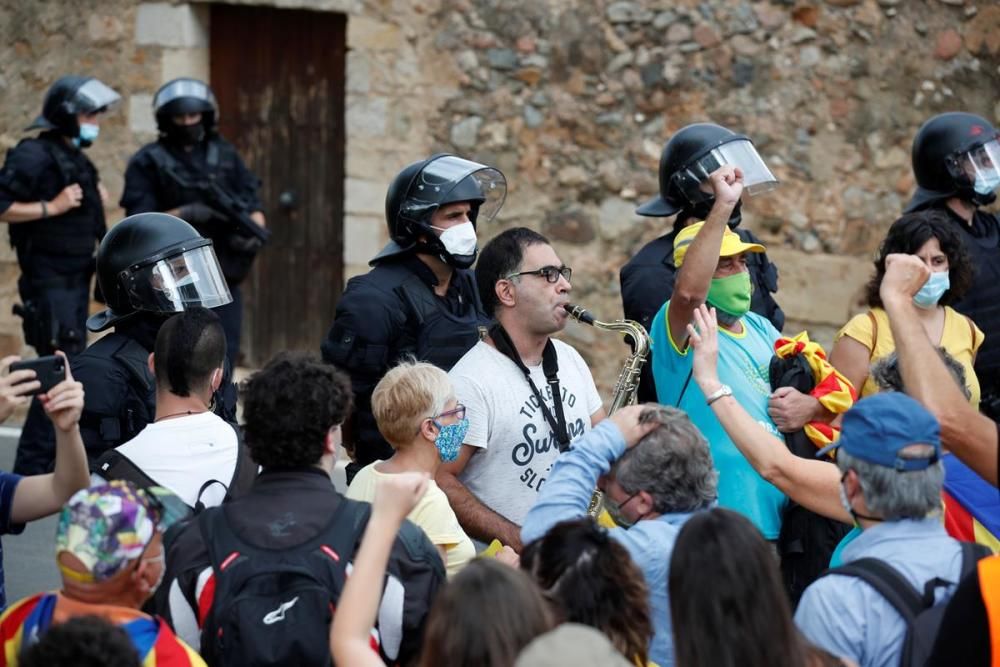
x,y
469,532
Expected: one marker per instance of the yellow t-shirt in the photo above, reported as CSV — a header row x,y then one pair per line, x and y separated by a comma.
x,y
961,338
433,514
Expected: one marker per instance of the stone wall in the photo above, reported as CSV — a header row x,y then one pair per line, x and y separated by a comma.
x,y
573,100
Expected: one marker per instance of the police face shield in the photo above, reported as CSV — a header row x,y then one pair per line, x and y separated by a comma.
x,y
981,166
451,179
94,96
174,284
185,96
757,178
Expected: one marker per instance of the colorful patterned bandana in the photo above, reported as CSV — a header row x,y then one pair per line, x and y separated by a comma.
x,y
106,527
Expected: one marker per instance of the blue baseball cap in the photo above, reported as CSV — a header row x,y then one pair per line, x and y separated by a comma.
x,y
878,427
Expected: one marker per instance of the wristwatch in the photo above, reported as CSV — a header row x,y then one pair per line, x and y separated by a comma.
x,y
724,390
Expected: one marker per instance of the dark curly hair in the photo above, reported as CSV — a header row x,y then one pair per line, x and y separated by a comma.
x,y
591,579
907,235
83,641
289,406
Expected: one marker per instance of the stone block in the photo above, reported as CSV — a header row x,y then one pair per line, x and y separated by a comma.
x,y
364,236
822,289
191,62
366,116
368,33
140,114
364,197
102,29
163,24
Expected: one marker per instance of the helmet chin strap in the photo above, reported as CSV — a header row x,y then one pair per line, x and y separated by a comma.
x,y
701,210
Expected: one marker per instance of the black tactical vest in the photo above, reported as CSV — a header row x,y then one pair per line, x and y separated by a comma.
x,y
74,233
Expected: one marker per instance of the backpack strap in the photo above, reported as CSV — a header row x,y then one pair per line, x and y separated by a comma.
x,y
245,473
114,465
888,582
972,553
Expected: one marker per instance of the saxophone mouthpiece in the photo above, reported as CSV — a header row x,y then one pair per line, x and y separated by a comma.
x,y
579,313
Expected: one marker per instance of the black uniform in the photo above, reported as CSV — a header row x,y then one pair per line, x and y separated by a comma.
x,y
647,282
149,186
982,301
387,314
55,254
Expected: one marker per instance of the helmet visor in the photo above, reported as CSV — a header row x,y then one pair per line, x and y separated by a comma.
x,y
451,179
982,166
174,284
94,96
757,178
183,88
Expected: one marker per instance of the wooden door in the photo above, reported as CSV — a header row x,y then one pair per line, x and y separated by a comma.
x,y
278,76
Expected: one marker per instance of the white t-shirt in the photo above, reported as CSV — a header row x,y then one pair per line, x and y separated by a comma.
x,y
182,453
518,447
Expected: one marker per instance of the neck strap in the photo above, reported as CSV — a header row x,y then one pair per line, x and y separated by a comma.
x,y
550,367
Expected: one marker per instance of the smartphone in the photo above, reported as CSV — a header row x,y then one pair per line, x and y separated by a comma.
x,y
50,371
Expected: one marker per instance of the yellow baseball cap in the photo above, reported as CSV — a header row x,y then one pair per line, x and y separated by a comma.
x,y
732,244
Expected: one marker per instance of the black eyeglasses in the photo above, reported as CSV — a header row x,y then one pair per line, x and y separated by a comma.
x,y
550,273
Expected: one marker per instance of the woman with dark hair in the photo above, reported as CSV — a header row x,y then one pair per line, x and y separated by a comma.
x,y
590,579
867,337
728,604
486,614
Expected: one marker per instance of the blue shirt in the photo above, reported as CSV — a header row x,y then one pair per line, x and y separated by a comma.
x,y
849,618
744,365
8,483
566,495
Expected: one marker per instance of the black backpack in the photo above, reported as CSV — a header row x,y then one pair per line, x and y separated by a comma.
x,y
922,616
275,606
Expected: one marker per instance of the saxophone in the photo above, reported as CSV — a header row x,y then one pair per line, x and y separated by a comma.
x,y
627,385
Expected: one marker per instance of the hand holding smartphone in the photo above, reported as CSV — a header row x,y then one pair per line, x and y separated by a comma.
x,y
49,371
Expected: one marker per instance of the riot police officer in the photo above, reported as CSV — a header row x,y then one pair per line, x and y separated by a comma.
x,y
51,196
956,161
647,280
192,172
149,266
420,298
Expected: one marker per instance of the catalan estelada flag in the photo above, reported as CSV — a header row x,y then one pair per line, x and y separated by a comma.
x,y
26,620
834,391
971,505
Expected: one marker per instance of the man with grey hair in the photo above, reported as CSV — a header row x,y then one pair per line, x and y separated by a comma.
x,y
655,470
891,477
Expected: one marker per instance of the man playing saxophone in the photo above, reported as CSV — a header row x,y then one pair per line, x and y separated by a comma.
x,y
526,395
712,263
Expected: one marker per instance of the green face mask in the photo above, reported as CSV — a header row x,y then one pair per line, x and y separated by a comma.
x,y
731,294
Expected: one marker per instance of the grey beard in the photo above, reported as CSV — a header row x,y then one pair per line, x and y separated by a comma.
x,y
725,319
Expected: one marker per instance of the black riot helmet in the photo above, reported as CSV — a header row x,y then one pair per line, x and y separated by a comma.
x,y
955,154
182,96
688,158
423,187
69,96
156,263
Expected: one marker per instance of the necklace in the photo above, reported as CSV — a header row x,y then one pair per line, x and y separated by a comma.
x,y
180,414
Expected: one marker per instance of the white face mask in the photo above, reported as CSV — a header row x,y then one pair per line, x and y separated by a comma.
x,y
460,239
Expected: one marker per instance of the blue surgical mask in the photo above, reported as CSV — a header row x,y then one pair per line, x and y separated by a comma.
x,y
933,289
450,438
87,135
986,183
